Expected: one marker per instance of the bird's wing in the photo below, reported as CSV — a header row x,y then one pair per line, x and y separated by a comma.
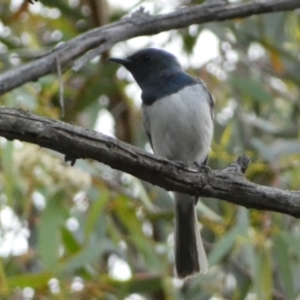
x,y
146,122
210,99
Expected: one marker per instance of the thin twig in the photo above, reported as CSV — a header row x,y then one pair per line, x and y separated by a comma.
x,y
139,24
61,87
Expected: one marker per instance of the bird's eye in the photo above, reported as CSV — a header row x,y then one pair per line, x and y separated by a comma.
x,y
145,57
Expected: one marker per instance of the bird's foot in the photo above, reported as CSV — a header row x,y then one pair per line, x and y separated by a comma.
x,y
202,167
182,164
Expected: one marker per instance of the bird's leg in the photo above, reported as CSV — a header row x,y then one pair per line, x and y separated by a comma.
x,y
202,167
182,164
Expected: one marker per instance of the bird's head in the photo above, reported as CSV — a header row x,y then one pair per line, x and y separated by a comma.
x,y
148,65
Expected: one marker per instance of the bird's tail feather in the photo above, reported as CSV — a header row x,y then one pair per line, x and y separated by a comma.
x,y
190,256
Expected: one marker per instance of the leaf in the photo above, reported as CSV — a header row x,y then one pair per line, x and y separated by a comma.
x,y
285,146
226,136
272,25
48,232
283,262
244,285
224,245
146,249
263,274
67,10
252,88
4,289
125,209
95,211
29,280
86,256
271,152
69,241
9,178
127,214
138,284
264,150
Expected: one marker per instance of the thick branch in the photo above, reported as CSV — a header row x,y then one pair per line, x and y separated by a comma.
x,y
138,24
75,142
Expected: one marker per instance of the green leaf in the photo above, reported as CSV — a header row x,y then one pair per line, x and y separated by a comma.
x,y
141,284
9,178
95,211
30,280
127,213
48,232
125,209
4,289
224,245
284,262
252,88
69,241
264,150
263,275
67,10
146,249
285,147
86,256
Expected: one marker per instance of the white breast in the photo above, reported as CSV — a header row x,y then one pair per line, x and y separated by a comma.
x,y
180,125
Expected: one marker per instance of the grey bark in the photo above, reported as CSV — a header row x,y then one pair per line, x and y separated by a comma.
x,y
76,142
139,23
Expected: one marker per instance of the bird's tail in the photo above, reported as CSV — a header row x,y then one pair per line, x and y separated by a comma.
x,y
190,257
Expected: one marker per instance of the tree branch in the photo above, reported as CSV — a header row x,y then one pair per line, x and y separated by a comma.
x,y
138,24
76,142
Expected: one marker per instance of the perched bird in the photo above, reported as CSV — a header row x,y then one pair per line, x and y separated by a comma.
x,y
178,118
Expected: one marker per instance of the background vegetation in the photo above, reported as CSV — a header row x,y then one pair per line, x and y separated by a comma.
x,y
89,232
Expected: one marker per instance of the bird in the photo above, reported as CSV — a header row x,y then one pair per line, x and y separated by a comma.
x,y
177,111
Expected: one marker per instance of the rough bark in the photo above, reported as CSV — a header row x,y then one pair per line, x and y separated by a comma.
x,y
139,23
76,142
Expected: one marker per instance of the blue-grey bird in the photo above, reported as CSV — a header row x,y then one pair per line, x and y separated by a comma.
x,y
178,118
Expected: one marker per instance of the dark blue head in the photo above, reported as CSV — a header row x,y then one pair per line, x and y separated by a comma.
x,y
157,72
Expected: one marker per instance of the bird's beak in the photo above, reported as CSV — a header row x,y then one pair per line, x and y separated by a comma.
x,y
122,61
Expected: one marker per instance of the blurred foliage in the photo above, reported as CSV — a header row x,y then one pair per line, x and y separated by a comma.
x,y
90,232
